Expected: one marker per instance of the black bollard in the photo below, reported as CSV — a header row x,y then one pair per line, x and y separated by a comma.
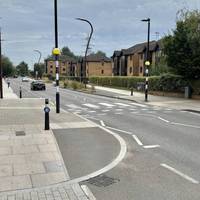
x,y
20,92
46,111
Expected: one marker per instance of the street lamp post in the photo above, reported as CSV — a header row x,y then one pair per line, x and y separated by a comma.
x,y
40,55
87,47
56,53
147,62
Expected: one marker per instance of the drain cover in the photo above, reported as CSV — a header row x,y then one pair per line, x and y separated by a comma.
x,y
102,181
20,133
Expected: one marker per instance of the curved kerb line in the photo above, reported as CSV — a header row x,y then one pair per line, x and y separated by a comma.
x,y
114,163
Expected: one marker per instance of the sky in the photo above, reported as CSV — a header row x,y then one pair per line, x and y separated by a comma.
x,y
28,25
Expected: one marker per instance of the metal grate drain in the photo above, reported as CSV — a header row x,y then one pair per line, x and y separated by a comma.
x,y
102,181
20,133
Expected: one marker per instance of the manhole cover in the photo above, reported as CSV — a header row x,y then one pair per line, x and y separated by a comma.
x,y
102,181
20,133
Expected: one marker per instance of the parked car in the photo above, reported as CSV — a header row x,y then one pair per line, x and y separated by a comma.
x,y
15,76
38,85
25,79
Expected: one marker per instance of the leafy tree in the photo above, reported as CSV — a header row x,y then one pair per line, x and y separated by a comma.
x,y
8,68
99,53
22,69
182,48
40,68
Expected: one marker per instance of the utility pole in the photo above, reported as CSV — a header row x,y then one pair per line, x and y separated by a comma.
x,y
1,71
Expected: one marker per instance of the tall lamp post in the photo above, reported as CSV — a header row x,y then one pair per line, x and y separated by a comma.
x,y
87,47
147,62
56,53
40,55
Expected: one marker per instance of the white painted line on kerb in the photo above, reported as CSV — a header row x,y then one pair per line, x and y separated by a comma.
x,y
151,146
91,105
163,119
180,173
140,105
88,192
102,123
137,140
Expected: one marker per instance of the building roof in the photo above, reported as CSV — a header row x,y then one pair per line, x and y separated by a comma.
x,y
138,48
97,58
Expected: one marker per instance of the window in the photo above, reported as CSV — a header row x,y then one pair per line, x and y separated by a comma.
x,y
141,56
102,71
130,70
131,57
51,66
141,69
63,69
51,72
102,63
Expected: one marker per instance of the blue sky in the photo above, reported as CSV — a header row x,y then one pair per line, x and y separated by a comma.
x,y
28,25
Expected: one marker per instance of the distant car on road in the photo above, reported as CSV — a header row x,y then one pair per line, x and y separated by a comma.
x,y
38,85
15,76
25,79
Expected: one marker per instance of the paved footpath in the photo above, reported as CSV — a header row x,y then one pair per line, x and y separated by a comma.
x,y
31,165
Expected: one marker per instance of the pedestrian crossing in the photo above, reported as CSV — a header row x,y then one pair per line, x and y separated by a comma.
x,y
117,107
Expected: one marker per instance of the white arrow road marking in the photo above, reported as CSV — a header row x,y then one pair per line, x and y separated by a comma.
x,y
180,173
137,140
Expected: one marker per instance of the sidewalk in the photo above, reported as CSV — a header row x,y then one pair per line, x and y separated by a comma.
x,y
170,102
31,165
8,92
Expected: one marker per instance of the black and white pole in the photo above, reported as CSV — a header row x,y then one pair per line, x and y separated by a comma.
x,y
56,53
46,115
146,84
20,92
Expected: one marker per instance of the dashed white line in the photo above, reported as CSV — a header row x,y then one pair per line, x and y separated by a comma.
x,y
115,129
88,192
180,173
102,123
105,110
151,146
163,119
122,104
137,140
186,125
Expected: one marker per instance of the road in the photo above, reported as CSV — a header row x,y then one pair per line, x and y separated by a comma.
x,y
163,156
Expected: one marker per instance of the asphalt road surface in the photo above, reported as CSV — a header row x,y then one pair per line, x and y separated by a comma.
x,y
163,156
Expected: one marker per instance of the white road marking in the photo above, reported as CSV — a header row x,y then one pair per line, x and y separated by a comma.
x,y
163,119
105,110
151,146
137,140
91,111
140,105
88,192
122,104
73,106
101,114
186,125
115,129
136,112
91,105
144,109
118,113
102,123
180,173
106,104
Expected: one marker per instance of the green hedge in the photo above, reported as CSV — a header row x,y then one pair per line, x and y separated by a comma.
x,y
166,82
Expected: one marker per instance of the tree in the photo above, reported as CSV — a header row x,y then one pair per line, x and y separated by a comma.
x,y
99,53
22,69
182,48
40,69
8,68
